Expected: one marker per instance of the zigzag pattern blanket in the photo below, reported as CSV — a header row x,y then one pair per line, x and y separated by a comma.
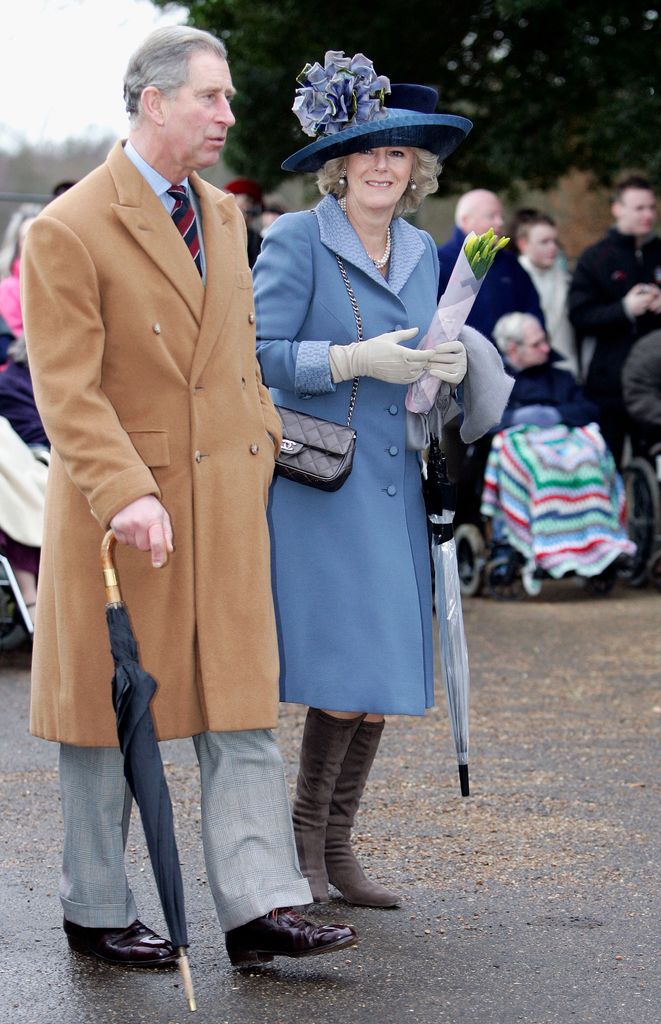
x,y
561,498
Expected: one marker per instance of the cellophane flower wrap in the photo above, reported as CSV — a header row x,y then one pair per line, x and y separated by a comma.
x,y
346,90
474,260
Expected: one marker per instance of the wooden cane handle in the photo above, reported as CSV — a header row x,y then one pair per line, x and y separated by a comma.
x,y
110,581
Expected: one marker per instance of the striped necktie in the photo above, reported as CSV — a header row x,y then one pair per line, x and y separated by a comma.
x,y
184,217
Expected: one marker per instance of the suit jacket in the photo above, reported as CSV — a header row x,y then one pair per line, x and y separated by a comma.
x,y
147,383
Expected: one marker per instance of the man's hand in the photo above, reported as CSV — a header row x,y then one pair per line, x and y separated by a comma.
x,y
641,298
145,525
655,300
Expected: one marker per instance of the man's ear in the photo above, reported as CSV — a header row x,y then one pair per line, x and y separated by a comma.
x,y
152,102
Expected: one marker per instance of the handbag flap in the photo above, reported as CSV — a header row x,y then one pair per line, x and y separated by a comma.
x,y
300,430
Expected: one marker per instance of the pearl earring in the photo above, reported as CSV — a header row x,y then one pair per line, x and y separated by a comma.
x,y
343,176
412,185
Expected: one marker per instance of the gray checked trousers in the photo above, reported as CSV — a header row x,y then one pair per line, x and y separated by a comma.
x,y
247,834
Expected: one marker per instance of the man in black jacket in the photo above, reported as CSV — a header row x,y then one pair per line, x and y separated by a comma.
x,y
615,299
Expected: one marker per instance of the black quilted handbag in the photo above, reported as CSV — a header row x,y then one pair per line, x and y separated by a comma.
x,y
315,451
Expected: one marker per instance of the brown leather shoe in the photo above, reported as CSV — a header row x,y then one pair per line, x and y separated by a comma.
x,y
135,946
284,932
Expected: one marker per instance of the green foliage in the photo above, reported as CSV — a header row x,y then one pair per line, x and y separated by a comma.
x,y
550,85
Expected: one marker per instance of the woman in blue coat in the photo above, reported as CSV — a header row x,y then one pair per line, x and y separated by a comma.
x,y
351,568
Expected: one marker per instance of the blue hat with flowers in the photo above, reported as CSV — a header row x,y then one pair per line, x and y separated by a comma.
x,y
342,105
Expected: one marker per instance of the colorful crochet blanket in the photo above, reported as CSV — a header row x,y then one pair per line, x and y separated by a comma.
x,y
560,496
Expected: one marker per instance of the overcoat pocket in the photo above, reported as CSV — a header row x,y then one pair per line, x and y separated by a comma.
x,y
152,446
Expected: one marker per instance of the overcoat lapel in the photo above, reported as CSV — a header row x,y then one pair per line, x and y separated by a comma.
x,y
222,263
338,235
145,218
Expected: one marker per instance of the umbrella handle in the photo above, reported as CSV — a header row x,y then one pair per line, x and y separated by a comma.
x,y
110,581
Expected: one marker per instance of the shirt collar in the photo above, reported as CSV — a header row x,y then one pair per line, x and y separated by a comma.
x,y
154,179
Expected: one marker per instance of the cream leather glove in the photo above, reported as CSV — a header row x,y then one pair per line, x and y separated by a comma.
x,y
381,357
448,362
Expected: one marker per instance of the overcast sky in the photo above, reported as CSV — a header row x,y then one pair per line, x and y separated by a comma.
x,y
63,62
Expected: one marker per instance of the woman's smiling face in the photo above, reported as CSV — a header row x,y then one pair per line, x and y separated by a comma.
x,y
377,178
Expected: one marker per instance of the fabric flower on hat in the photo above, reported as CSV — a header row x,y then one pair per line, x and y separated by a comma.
x,y
346,90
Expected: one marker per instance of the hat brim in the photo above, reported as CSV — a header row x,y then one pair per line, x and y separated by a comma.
x,y
438,133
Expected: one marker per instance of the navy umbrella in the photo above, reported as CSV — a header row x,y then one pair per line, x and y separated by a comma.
x,y
132,691
440,502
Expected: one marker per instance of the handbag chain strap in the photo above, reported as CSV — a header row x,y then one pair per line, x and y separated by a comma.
x,y
359,329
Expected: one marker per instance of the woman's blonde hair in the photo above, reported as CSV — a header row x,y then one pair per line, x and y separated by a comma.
x,y
424,172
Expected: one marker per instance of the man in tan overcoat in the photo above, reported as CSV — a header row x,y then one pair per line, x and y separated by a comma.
x,y
141,335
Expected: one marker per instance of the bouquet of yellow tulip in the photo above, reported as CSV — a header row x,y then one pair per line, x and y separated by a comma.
x,y
481,251
473,262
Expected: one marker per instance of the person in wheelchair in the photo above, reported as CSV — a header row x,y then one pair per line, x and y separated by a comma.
x,y
24,458
23,474
641,388
551,488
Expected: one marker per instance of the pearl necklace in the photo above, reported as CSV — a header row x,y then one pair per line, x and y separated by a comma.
x,y
382,260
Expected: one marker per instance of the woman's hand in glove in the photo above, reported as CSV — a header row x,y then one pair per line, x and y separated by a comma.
x,y
448,362
382,357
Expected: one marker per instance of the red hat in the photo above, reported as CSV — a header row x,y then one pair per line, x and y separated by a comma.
x,y
244,186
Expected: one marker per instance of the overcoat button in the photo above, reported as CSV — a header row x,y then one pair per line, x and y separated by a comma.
x,y
392,490
254,448
398,327
393,450
198,456
393,410
251,318
156,328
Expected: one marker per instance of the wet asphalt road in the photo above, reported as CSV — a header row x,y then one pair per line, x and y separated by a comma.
x,y
536,900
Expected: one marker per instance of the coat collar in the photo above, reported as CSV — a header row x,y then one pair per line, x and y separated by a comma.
x,y
145,218
337,234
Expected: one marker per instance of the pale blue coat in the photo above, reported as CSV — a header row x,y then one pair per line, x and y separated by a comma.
x,y
351,569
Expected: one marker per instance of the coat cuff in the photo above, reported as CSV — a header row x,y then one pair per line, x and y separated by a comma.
x,y
115,494
313,375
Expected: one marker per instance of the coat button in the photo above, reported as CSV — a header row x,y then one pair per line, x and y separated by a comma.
x,y
398,327
392,490
254,448
198,456
393,409
156,328
251,318
393,450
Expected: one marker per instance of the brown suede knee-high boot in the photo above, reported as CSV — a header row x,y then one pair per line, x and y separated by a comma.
x,y
323,749
344,871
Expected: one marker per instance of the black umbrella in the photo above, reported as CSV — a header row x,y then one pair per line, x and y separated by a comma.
x,y
440,502
132,691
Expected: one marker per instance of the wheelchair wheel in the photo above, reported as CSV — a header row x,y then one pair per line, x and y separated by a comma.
x,y
602,584
471,556
12,631
655,571
642,493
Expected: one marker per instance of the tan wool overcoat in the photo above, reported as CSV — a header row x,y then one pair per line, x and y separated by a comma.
x,y
147,383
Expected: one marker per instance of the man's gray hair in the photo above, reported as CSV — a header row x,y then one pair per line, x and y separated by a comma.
x,y
162,61
510,329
